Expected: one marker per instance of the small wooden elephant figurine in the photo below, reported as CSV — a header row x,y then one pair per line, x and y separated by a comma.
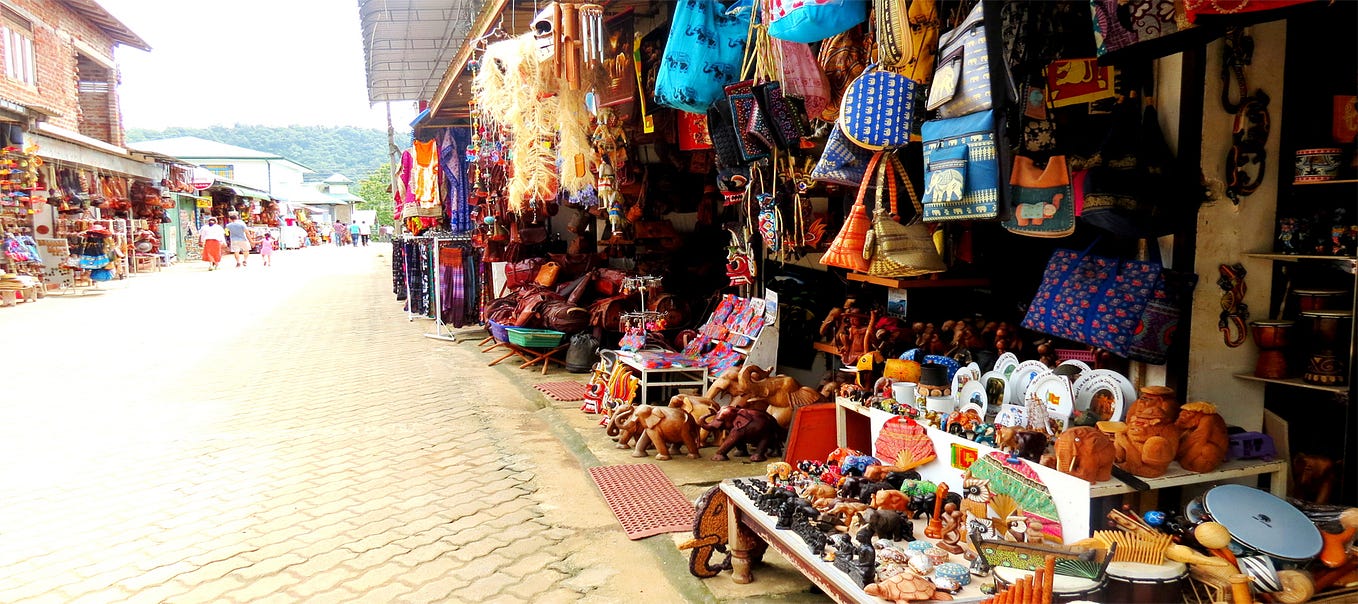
x,y
665,426
743,427
1086,453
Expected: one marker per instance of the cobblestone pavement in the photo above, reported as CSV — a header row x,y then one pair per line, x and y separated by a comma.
x,y
284,434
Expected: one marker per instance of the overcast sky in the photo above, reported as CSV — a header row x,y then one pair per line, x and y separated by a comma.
x,y
271,62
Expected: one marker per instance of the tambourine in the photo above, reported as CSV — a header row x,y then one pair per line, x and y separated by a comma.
x,y
1258,522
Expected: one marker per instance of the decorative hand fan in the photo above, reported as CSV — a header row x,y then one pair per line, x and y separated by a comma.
x,y
905,443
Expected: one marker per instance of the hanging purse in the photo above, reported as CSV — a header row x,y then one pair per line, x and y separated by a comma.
x,y
780,115
802,77
877,109
842,162
961,169
846,251
722,129
907,37
842,58
1044,204
814,20
702,54
961,84
894,249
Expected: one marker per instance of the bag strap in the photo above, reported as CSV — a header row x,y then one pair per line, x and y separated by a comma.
x,y
886,181
867,176
909,190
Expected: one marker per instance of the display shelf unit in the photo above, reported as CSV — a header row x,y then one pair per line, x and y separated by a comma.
x,y
1294,382
917,283
1340,181
1300,257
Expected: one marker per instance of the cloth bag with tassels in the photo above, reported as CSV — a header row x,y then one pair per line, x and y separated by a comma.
x,y
894,249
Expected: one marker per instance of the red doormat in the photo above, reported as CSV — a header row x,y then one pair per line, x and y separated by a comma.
x,y
562,391
643,499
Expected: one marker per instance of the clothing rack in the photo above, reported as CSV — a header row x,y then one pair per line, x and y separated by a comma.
x,y
439,325
442,331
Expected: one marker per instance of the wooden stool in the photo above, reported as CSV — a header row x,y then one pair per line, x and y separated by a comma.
x,y
540,355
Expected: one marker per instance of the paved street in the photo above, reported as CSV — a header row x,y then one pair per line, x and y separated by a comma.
x,y
285,434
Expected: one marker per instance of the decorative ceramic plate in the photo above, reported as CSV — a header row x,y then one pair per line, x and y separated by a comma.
x,y
964,376
1084,367
974,393
1011,415
1006,363
1129,392
1024,375
1053,391
996,389
1101,395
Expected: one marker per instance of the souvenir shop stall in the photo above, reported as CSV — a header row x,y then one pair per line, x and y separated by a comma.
x,y
1023,230
21,279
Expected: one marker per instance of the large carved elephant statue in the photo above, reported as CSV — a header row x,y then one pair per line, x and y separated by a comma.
x,y
1085,452
700,408
725,387
622,428
744,427
665,426
783,393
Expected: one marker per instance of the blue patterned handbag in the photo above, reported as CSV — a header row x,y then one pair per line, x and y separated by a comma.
x,y
1094,300
843,162
961,168
961,83
703,54
877,109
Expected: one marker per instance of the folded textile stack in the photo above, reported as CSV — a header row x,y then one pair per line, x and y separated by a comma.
x,y
12,281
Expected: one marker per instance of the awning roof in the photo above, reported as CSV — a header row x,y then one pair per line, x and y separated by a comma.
x,y
408,45
90,10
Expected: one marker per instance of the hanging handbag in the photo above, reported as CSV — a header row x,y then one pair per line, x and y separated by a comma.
x,y
753,137
907,37
961,83
842,58
846,251
721,126
702,54
961,168
1042,198
802,77
780,115
877,109
814,20
842,162
895,249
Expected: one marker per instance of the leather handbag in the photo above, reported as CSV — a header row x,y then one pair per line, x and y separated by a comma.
x,y
894,249
907,37
702,54
842,162
814,20
961,168
547,274
1044,204
877,109
846,251
961,84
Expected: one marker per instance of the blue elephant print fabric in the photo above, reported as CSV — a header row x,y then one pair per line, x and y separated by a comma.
x,y
703,55
1093,300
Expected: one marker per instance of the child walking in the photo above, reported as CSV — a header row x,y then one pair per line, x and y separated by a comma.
x,y
266,249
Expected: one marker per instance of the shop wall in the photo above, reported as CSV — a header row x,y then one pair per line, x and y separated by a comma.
x,y
1227,231
55,31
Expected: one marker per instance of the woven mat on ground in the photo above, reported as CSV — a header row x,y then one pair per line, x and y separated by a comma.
x,y
562,391
643,499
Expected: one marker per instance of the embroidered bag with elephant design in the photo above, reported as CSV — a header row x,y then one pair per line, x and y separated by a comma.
x,y
961,168
1043,204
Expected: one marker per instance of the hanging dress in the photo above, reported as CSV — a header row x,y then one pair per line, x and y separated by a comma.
x,y
425,176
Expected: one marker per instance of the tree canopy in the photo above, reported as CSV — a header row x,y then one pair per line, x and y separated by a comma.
x,y
353,152
375,189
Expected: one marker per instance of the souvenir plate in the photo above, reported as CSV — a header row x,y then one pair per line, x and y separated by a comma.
x,y
1084,367
1053,391
1011,415
974,393
1101,395
1129,393
964,376
996,389
1006,363
1024,375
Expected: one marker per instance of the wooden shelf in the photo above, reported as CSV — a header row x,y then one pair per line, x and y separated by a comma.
x,y
825,347
1177,476
1341,181
1295,382
1296,257
918,283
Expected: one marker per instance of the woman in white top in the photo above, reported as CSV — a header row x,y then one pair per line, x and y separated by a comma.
x,y
213,237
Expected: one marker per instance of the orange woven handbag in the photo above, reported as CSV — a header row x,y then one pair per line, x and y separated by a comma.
x,y
846,251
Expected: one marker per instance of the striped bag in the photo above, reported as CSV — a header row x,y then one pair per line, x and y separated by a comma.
x,y
846,251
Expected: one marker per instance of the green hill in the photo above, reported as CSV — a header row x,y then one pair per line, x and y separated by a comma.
x,y
353,152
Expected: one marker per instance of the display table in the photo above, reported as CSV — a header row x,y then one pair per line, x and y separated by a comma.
x,y
667,377
1175,477
829,579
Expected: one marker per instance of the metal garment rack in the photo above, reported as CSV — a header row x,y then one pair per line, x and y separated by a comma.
x,y
441,329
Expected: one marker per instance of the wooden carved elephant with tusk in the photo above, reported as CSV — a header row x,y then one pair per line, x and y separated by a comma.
x,y
665,426
746,427
1085,452
784,394
701,409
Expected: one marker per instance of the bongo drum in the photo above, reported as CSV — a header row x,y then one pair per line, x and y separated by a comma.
x,y
1065,588
1258,522
1137,583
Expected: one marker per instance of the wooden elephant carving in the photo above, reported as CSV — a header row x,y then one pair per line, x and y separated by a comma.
x,y
701,409
665,426
1085,452
784,393
622,428
746,427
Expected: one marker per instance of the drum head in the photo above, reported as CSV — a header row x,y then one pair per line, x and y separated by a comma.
x,y
1136,571
1263,522
1063,585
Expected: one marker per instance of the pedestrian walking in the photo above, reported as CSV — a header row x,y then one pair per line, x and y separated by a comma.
x,y
338,233
266,249
353,234
212,237
240,239
365,232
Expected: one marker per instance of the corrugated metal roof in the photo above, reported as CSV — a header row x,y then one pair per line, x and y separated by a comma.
x,y
408,45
